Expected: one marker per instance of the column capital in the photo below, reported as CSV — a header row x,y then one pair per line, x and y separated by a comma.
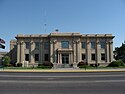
x,y
54,41
22,42
31,42
51,42
78,41
110,42
74,41
41,42
97,42
18,42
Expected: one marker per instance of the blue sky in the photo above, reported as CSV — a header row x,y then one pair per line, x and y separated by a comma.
x,y
84,16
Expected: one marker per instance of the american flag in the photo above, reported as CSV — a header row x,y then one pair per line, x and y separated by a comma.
x,y
2,41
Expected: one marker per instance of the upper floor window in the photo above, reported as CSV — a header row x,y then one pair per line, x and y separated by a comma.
x,y
65,44
83,45
27,45
102,45
93,45
46,45
37,45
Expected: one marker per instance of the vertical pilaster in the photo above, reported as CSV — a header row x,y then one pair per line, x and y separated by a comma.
x,y
22,52
111,51
18,52
97,51
51,51
107,52
55,54
60,58
88,53
74,52
32,52
41,51
78,51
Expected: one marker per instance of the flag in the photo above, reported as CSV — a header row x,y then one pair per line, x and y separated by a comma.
x,y
2,41
2,46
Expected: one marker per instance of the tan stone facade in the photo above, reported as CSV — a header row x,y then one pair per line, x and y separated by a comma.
x,y
64,49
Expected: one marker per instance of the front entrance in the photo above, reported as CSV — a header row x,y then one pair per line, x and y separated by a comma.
x,y
65,58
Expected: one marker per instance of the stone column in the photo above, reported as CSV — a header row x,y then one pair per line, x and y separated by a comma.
x,y
69,58
97,52
78,51
51,52
22,52
41,51
74,52
111,51
107,52
54,55
60,58
75,55
18,52
32,52
88,53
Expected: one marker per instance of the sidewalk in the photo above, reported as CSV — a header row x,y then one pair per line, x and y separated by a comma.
x,y
64,70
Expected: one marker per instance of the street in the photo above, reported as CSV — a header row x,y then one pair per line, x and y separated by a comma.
x,y
62,83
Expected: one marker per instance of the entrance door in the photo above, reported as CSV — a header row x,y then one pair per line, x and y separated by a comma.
x,y
65,58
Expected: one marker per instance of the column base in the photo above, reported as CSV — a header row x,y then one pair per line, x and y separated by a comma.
x,y
75,66
54,65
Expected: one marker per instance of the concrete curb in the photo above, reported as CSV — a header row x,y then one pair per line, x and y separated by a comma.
x,y
69,70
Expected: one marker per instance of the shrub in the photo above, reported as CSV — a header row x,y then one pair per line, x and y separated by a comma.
x,y
47,63
44,66
6,60
116,63
19,64
81,63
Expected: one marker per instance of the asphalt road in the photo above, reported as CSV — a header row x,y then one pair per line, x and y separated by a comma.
x,y
62,83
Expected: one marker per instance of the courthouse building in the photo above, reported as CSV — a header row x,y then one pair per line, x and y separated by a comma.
x,y
62,49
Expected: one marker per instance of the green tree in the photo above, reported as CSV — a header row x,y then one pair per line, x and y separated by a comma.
x,y
6,60
119,53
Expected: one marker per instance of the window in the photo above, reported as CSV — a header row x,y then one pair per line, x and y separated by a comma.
x,y
26,57
93,45
46,57
83,45
37,45
27,45
83,56
102,45
92,56
65,44
36,57
102,56
46,45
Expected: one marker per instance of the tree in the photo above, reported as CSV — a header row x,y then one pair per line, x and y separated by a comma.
x,y
6,60
119,53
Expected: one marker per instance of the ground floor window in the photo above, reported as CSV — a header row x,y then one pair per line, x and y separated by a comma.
x,y
36,57
92,56
83,56
46,57
26,57
102,56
